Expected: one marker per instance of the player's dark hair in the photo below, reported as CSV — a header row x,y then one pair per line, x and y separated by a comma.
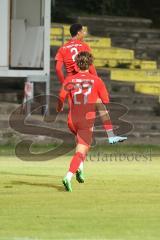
x,y
75,28
84,60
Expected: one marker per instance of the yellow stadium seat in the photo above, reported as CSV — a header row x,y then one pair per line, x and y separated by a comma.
x,y
136,75
153,89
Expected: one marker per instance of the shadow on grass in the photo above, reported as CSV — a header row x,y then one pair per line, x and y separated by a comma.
x,y
48,185
27,175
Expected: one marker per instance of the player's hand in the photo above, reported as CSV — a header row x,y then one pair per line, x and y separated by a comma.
x,y
59,107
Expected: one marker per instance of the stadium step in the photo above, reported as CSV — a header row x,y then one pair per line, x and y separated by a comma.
x,y
140,126
130,32
61,122
134,99
152,76
104,54
143,48
7,108
153,126
15,93
148,53
135,43
112,21
143,64
57,40
118,87
115,57
134,137
59,31
9,136
10,96
125,63
143,111
113,53
131,109
152,89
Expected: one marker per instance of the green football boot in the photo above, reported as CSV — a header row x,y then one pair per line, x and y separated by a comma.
x,y
79,176
67,184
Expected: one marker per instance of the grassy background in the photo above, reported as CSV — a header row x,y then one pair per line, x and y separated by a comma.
x,y
118,201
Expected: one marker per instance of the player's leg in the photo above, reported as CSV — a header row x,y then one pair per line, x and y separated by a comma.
x,y
76,161
84,138
67,179
80,171
107,124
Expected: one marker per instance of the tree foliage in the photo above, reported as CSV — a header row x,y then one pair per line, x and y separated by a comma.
x,y
135,8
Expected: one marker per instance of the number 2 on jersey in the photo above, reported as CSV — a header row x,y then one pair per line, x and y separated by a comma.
x,y
74,52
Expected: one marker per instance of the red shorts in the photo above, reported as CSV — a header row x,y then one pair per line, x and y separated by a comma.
x,y
81,122
83,134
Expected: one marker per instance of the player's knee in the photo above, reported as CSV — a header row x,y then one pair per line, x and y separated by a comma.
x,y
99,100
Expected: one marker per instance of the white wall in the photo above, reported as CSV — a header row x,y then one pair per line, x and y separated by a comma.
x,y
4,32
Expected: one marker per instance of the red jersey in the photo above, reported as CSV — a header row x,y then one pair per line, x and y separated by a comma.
x,y
83,89
68,52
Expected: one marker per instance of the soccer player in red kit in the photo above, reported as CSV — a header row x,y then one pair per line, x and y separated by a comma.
x,y
82,90
67,53
66,56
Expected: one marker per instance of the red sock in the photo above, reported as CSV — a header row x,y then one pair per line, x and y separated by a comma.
x,y
108,125
75,162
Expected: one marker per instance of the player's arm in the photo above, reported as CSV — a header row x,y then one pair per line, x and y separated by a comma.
x,y
61,99
59,71
102,92
101,101
59,66
92,68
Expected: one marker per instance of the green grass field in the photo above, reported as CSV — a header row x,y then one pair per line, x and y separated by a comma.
x,y
120,199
